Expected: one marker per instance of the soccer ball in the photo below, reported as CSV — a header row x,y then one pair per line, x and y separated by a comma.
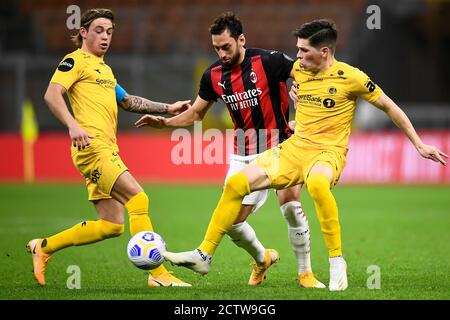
x,y
145,250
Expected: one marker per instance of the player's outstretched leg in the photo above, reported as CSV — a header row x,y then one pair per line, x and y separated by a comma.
x,y
80,234
271,257
196,260
226,212
338,274
40,260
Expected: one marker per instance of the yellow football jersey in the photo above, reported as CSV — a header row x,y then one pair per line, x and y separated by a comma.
x,y
326,103
90,85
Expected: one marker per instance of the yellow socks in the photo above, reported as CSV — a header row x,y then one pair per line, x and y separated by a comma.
x,y
227,210
82,233
140,221
138,213
327,212
93,231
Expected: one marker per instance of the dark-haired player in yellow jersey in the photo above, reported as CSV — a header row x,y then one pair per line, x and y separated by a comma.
x,y
315,154
94,95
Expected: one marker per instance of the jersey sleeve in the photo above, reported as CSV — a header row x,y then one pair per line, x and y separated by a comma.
x,y
364,87
206,91
68,72
120,93
280,64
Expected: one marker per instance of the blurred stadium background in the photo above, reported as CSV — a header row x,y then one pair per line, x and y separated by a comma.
x,y
160,49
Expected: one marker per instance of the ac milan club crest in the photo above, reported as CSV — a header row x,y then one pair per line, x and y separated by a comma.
x,y
253,77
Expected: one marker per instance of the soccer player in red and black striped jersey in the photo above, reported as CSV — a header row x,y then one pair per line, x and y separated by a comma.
x,y
252,84
254,92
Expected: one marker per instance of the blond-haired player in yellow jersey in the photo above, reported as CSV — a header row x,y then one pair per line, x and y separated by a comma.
x,y
94,95
315,154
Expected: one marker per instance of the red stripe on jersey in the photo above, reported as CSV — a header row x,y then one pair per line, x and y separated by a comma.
x,y
216,78
270,122
237,85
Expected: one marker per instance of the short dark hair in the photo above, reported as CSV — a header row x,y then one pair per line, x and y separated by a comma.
x,y
87,18
227,21
319,33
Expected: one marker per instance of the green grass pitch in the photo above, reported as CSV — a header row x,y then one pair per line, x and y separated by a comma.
x,y
402,230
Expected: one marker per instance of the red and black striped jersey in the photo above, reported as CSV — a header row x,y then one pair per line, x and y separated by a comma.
x,y
256,96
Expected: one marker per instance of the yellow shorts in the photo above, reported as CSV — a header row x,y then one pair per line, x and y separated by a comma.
x,y
101,165
289,163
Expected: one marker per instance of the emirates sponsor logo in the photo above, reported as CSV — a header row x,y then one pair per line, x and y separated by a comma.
x,y
242,100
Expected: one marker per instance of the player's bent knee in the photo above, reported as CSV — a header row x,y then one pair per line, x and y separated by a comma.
x,y
238,184
317,184
288,210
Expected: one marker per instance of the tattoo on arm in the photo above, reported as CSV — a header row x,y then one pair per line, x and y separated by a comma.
x,y
141,105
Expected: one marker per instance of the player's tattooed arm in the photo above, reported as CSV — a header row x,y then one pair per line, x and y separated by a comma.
x,y
141,105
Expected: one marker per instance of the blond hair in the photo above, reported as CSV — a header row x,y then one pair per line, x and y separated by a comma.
x,y
86,20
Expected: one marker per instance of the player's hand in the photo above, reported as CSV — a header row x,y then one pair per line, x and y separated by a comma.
x,y
151,121
293,93
80,138
291,125
178,107
433,153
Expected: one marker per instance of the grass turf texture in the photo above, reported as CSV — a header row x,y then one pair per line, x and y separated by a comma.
x,y
402,230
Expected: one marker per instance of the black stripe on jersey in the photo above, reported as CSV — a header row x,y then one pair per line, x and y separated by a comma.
x,y
256,112
228,91
275,98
